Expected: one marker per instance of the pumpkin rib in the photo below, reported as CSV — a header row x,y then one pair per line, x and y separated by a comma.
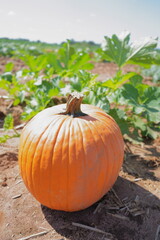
x,y
96,145
68,163
106,162
71,127
21,152
22,162
38,182
25,161
76,165
79,166
117,134
114,165
87,191
62,124
116,159
40,160
110,155
84,159
115,126
112,146
34,147
31,176
35,150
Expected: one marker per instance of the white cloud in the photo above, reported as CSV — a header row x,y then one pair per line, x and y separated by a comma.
x,y
79,20
11,13
92,15
32,29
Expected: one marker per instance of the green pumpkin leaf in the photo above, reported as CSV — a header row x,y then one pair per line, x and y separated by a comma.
x,y
8,122
118,49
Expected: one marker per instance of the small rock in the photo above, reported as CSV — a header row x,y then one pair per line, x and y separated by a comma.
x,y
4,184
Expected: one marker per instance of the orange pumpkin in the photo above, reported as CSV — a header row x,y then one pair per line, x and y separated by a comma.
x,y
70,158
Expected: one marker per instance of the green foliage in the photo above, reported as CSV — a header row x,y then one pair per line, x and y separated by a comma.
x,y
4,138
118,49
8,122
40,97
152,72
118,80
122,119
8,125
11,83
22,47
139,102
49,74
144,102
35,63
65,62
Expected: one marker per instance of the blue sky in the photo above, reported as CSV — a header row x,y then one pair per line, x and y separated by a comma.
x,y
58,20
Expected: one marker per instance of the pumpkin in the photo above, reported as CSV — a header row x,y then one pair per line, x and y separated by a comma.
x,y
70,155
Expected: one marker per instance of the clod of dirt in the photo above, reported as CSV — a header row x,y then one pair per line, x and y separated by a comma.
x,y
3,182
2,117
7,160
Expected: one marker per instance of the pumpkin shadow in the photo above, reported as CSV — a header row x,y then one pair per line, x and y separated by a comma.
x,y
127,212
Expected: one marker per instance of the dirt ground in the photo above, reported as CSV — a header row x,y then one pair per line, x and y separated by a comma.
x,y
129,211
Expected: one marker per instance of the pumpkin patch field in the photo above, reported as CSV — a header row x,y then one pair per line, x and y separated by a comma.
x,y
79,140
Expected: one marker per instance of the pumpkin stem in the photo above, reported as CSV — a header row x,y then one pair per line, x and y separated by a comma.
x,y
73,106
